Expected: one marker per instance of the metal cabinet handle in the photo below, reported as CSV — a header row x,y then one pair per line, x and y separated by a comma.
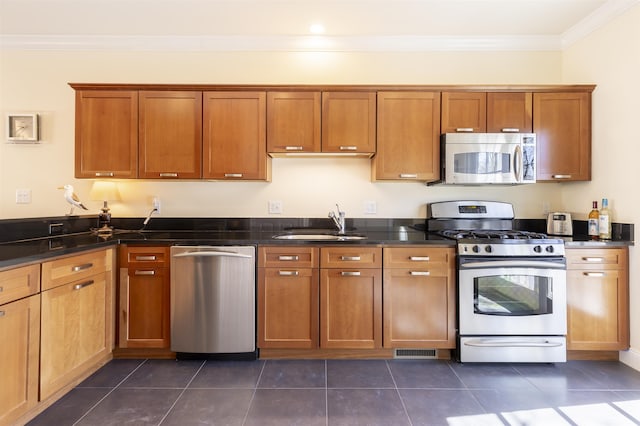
x,y
348,148
561,176
288,258
350,258
1,289
464,129
83,285
350,273
81,267
168,175
144,272
510,130
593,259
419,258
233,175
420,273
104,174
146,258
408,175
288,273
594,274
293,148
1,313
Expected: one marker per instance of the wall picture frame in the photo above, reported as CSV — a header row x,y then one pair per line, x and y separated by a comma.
x,y
22,127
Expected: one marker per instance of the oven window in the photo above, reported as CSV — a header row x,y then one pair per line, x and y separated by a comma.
x,y
512,295
482,163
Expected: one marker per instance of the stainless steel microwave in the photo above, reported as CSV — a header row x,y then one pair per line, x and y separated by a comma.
x,y
489,158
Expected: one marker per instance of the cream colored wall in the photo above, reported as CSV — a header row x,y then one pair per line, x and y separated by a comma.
x,y
611,58
37,81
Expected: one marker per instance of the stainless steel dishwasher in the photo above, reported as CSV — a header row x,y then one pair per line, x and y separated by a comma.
x,y
213,301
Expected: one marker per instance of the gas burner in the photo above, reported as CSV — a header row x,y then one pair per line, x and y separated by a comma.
x,y
481,234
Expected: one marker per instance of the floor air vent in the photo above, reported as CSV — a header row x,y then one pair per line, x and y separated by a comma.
x,y
415,354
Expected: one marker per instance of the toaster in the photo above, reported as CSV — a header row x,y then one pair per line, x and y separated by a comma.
x,y
559,223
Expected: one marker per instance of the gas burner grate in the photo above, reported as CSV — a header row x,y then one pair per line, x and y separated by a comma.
x,y
492,234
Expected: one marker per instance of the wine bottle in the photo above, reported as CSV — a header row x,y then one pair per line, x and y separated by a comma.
x,y
594,218
604,221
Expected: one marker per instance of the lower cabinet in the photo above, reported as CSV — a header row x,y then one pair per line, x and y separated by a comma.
x,y
144,312
597,299
419,297
76,330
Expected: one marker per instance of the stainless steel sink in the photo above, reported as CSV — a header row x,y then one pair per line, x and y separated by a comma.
x,y
319,237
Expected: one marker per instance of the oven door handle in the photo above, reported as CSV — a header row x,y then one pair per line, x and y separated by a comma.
x,y
513,264
500,343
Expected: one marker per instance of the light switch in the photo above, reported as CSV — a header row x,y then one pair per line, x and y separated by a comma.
x,y
370,207
275,207
23,196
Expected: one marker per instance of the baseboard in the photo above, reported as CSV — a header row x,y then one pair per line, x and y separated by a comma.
x,y
631,358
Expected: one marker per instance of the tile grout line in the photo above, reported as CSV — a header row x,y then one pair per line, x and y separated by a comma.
x,y
255,389
181,393
326,393
395,386
110,392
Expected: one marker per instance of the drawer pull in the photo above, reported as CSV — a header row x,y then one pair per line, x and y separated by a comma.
x,y
350,273
420,273
83,285
146,258
1,313
510,130
419,258
293,148
593,259
104,174
233,175
288,273
594,274
464,129
288,258
350,258
144,272
1,289
82,267
168,175
561,176
348,148
408,175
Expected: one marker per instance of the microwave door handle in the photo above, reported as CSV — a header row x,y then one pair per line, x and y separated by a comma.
x,y
517,163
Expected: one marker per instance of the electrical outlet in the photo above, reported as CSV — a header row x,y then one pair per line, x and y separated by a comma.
x,y
156,204
545,207
275,207
23,196
370,207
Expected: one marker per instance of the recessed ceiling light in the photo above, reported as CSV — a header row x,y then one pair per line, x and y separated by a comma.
x,y
316,29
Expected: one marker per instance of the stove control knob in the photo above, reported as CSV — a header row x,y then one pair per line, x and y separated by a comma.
x,y
476,249
549,249
488,249
537,249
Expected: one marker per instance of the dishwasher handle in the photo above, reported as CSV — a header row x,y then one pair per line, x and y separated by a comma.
x,y
212,254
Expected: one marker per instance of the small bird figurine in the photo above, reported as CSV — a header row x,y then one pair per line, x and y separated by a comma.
x,y
72,198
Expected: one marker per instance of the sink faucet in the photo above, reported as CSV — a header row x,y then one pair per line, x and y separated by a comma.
x,y
339,220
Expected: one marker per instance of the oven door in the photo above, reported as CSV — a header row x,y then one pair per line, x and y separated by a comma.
x,y
512,296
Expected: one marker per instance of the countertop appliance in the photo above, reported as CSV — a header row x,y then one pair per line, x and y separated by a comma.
x,y
559,223
489,158
511,284
213,301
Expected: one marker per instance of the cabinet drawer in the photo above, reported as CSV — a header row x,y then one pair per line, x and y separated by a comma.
x,y
145,256
19,282
351,257
288,257
597,258
418,257
64,270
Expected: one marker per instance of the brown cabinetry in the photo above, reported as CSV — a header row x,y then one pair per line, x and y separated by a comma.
x,y
597,299
349,122
144,297
235,145
288,297
408,146
293,122
351,297
562,123
76,329
419,297
170,142
464,112
20,337
509,112
106,141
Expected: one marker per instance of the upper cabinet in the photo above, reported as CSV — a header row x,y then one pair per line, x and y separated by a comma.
x,y
235,145
491,112
293,122
170,144
349,122
562,123
106,134
408,136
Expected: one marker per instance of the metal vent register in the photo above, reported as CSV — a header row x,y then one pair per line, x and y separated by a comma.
x,y
415,354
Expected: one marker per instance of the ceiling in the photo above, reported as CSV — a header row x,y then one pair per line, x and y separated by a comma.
x,y
393,25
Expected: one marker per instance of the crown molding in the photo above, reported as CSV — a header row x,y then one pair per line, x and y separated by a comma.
x,y
599,17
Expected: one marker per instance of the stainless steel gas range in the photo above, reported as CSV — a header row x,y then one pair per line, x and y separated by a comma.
x,y
511,284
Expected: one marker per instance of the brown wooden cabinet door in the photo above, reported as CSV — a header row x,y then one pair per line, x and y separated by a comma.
x,y
19,357
293,122
235,145
349,122
288,308
597,299
509,112
562,123
170,142
464,112
408,145
106,142
351,308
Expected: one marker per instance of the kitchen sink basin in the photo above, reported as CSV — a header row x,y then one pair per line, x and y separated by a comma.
x,y
320,237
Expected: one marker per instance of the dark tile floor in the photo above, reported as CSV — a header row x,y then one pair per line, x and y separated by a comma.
x,y
350,392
